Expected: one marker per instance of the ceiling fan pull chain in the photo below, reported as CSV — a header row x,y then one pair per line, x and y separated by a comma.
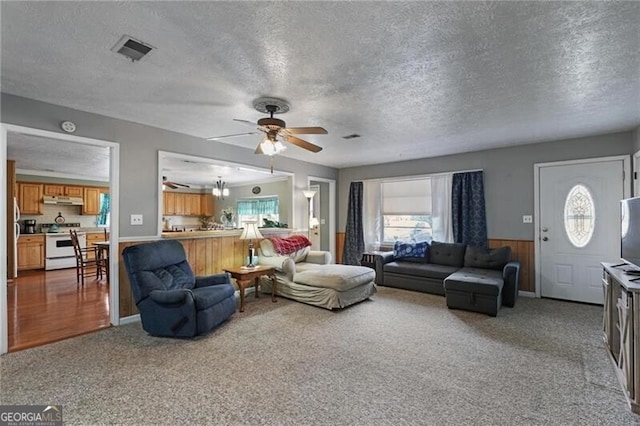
x,y
271,162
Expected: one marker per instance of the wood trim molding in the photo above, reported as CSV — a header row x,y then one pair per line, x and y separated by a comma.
x,y
524,252
339,246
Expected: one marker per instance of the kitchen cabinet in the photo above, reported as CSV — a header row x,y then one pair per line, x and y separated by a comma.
x,y
191,204
169,203
63,190
53,189
187,204
30,198
30,252
207,205
74,191
91,201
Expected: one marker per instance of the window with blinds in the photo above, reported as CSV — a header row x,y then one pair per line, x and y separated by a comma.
x,y
257,209
406,210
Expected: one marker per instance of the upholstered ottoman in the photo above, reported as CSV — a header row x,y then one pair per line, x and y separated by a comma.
x,y
475,289
336,277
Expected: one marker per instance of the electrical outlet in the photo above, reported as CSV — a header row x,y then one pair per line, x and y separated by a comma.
x,y
136,219
527,218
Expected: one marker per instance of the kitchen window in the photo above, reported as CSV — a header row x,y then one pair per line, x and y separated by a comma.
x,y
102,219
257,209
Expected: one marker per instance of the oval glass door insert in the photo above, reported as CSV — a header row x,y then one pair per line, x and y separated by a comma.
x,y
579,216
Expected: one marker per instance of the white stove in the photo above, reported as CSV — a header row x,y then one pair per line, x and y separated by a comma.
x,y
59,248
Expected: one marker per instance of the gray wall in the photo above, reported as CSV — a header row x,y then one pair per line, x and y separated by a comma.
x,y
508,176
139,145
636,139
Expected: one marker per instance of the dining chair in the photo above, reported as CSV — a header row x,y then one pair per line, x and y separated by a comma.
x,y
88,260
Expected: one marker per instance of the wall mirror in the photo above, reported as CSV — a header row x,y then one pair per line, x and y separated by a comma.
x,y
194,192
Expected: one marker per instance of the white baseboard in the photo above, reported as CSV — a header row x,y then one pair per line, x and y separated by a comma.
x,y
130,319
526,294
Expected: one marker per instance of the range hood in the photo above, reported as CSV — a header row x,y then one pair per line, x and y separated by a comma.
x,y
60,200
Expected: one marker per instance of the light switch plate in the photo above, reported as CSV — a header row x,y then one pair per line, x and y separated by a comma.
x,y
527,218
136,219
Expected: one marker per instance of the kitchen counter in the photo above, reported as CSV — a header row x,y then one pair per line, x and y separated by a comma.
x,y
267,232
179,235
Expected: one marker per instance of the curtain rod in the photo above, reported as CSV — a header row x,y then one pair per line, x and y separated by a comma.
x,y
416,177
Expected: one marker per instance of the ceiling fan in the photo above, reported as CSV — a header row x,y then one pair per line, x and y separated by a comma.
x,y
276,130
173,185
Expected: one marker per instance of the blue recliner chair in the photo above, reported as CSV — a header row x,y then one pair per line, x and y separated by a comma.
x,y
172,301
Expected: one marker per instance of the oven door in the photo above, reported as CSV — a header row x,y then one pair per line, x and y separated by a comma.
x,y
59,246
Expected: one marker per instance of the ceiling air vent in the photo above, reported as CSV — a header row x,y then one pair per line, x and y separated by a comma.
x,y
131,48
351,136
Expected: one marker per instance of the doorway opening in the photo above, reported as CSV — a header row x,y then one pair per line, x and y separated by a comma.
x,y
40,299
323,218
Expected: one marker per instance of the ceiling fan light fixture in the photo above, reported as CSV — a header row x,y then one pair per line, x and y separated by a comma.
x,y
271,148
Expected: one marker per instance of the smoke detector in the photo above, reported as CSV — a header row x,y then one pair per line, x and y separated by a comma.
x,y
131,48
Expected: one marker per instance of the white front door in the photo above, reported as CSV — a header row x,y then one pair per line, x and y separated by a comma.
x,y
314,231
579,214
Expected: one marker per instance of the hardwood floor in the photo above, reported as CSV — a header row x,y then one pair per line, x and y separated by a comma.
x,y
46,306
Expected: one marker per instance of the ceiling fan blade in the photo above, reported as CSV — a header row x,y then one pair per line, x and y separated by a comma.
x,y
231,136
169,184
306,130
302,143
181,184
251,123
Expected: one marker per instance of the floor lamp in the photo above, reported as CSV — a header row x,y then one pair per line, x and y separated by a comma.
x,y
309,194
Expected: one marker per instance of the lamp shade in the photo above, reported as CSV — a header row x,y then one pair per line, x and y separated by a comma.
x,y
313,222
309,194
250,231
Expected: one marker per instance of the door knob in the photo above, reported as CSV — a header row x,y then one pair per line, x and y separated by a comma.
x,y
545,239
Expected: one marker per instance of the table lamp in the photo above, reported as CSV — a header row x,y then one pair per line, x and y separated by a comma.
x,y
251,232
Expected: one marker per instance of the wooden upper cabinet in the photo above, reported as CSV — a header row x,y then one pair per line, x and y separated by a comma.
x,y
91,202
63,190
186,204
74,191
30,198
169,203
192,205
207,205
50,189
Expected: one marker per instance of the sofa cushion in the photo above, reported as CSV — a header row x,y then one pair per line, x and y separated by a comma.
x,y
475,280
480,257
413,252
449,254
337,277
427,270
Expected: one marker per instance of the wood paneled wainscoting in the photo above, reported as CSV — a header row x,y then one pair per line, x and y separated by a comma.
x,y
206,255
521,250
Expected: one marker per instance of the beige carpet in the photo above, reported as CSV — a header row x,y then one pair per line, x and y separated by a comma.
x,y
401,358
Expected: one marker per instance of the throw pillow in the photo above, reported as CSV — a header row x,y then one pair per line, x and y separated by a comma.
x,y
415,251
479,257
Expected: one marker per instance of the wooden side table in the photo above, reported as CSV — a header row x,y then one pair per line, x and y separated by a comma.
x,y
246,276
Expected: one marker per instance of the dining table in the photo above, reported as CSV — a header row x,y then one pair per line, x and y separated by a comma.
x,y
103,253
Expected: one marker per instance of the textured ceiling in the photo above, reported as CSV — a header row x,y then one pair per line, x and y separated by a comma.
x,y
415,79
42,156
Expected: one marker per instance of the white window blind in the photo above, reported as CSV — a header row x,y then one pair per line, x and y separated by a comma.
x,y
406,197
